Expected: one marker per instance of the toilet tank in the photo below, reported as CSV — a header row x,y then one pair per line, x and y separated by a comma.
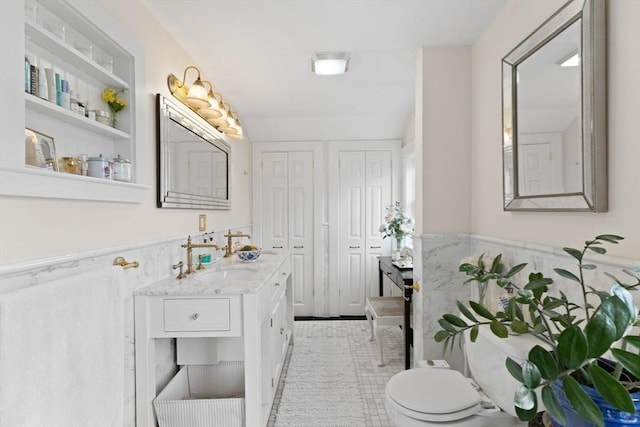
x,y
486,358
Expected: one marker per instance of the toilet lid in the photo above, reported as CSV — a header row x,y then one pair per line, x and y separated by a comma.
x,y
434,393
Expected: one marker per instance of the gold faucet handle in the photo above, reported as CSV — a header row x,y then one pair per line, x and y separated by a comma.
x,y
188,244
200,266
181,274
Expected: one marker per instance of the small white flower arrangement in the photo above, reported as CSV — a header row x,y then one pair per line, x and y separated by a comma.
x,y
396,223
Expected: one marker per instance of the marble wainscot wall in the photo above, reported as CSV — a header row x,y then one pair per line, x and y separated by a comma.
x,y
155,258
436,261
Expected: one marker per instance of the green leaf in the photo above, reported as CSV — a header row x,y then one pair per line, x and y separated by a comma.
x,y
567,274
611,389
628,360
611,238
473,335
441,336
455,320
537,284
514,369
600,333
499,329
466,267
465,311
527,414
581,401
447,326
481,311
588,266
496,266
519,327
572,347
598,250
481,261
574,253
544,361
515,270
530,374
553,303
553,406
614,308
633,340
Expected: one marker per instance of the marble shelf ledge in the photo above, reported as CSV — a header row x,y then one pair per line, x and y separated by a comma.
x,y
254,276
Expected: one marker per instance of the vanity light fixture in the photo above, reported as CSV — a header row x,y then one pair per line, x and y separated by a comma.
x,y
208,104
330,63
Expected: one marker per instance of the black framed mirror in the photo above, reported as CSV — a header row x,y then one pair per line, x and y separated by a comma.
x,y
193,160
554,114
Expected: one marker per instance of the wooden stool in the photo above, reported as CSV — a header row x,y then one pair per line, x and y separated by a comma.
x,y
383,312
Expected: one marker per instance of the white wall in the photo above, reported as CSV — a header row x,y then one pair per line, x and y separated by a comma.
x,y
35,228
445,133
516,21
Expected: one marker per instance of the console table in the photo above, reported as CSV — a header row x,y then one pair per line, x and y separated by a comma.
x,y
403,279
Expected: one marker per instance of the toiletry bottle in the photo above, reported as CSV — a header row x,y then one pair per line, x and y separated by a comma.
x,y
43,83
65,99
27,75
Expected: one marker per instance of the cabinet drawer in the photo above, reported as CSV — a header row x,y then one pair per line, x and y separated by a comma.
x,y
391,274
197,314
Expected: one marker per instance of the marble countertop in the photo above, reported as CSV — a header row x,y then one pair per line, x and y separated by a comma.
x,y
225,276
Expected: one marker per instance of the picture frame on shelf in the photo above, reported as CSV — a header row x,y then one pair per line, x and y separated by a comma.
x,y
40,150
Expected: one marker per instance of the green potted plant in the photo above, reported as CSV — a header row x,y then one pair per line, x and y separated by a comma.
x,y
575,383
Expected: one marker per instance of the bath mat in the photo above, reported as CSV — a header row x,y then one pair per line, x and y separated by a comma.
x,y
321,388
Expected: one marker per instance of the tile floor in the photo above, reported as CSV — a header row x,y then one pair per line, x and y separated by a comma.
x,y
371,378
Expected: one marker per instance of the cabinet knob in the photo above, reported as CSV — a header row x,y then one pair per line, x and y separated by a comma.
x,y
276,247
276,284
375,247
354,247
281,331
298,247
195,316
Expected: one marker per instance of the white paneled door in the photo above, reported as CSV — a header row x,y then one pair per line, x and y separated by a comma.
x,y
287,217
365,191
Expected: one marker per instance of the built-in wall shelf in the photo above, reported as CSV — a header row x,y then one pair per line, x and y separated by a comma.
x,y
49,42
52,110
28,181
81,45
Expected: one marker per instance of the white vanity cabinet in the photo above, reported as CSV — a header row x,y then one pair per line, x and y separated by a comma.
x,y
77,42
247,318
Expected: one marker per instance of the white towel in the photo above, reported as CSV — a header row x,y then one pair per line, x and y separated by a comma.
x,y
62,352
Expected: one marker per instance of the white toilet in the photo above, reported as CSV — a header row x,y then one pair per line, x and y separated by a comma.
x,y
444,397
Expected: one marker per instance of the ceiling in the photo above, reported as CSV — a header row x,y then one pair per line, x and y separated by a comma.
x,y
257,53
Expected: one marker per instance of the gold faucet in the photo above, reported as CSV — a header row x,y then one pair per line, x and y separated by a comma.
x,y
229,236
189,246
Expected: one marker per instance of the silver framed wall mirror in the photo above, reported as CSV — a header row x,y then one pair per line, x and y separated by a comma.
x,y
193,160
554,114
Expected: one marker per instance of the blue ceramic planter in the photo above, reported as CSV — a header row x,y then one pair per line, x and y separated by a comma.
x,y
612,416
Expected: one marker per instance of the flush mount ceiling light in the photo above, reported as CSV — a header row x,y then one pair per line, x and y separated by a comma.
x,y
330,63
571,60
208,104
